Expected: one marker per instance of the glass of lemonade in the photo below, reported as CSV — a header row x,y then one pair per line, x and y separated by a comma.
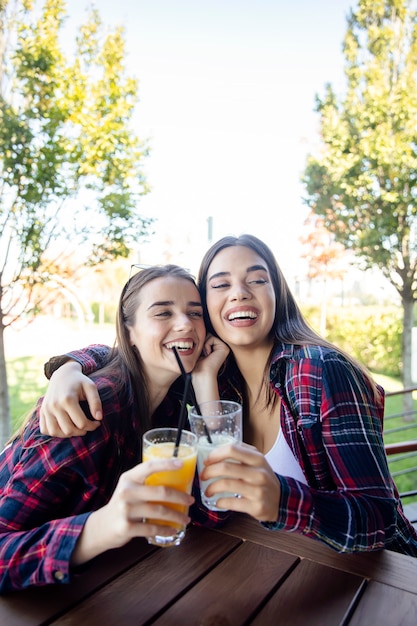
x,y
222,420
160,443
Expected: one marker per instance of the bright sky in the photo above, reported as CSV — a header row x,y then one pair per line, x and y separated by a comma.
x,y
227,92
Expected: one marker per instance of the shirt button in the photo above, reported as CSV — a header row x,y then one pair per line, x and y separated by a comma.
x,y
59,575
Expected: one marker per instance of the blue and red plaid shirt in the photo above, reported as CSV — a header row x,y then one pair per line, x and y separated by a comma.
x,y
333,423
49,486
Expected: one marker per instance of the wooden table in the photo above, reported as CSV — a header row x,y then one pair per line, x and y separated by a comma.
x,y
241,574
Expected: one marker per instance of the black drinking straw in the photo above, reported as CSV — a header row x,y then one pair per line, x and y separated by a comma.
x,y
183,412
185,376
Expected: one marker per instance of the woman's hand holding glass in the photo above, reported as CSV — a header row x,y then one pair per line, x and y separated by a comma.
x,y
257,488
131,505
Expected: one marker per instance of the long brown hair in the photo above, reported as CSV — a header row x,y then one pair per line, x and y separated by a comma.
x,y
125,360
289,326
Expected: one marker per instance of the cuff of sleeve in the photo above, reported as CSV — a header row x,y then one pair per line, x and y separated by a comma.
x,y
56,566
91,359
281,520
55,363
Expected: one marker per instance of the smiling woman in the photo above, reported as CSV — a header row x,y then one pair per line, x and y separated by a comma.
x,y
69,500
313,413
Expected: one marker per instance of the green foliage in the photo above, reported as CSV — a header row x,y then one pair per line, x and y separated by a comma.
x,y
363,182
403,466
70,164
370,334
108,312
27,384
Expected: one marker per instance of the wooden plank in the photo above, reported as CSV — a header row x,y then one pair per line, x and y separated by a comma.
x,y
150,586
313,594
39,605
233,591
385,566
387,605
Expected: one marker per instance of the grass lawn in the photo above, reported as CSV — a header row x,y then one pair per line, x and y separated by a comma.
x,y
26,384
404,466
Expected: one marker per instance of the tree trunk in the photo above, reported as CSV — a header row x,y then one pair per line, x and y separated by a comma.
x,y
408,310
5,421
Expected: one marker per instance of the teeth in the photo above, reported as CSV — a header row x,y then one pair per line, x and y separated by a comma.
x,y
240,314
180,345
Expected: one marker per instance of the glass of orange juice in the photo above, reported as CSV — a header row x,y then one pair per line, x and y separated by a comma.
x,y
160,443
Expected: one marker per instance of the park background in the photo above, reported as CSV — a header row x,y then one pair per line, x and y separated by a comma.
x,y
227,99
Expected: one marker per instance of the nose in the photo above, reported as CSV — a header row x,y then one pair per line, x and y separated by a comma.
x,y
182,322
239,292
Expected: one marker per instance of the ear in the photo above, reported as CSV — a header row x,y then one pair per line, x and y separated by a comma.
x,y
131,340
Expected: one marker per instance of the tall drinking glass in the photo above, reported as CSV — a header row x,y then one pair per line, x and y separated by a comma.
x,y
160,443
220,422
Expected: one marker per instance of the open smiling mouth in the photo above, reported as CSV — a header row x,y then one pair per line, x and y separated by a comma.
x,y
242,315
180,345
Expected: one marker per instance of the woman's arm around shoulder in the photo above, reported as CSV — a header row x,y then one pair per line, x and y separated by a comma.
x,y
61,415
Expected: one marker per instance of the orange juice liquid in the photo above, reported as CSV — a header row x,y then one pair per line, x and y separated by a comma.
x,y
181,479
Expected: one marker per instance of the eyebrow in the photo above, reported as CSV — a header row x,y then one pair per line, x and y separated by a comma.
x,y
172,303
251,268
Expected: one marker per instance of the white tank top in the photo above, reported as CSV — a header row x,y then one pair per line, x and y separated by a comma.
x,y
282,460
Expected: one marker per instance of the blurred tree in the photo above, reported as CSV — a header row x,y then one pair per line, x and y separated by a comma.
x,y
324,258
363,183
70,163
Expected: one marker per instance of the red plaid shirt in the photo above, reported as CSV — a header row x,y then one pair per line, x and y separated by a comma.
x,y
50,485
